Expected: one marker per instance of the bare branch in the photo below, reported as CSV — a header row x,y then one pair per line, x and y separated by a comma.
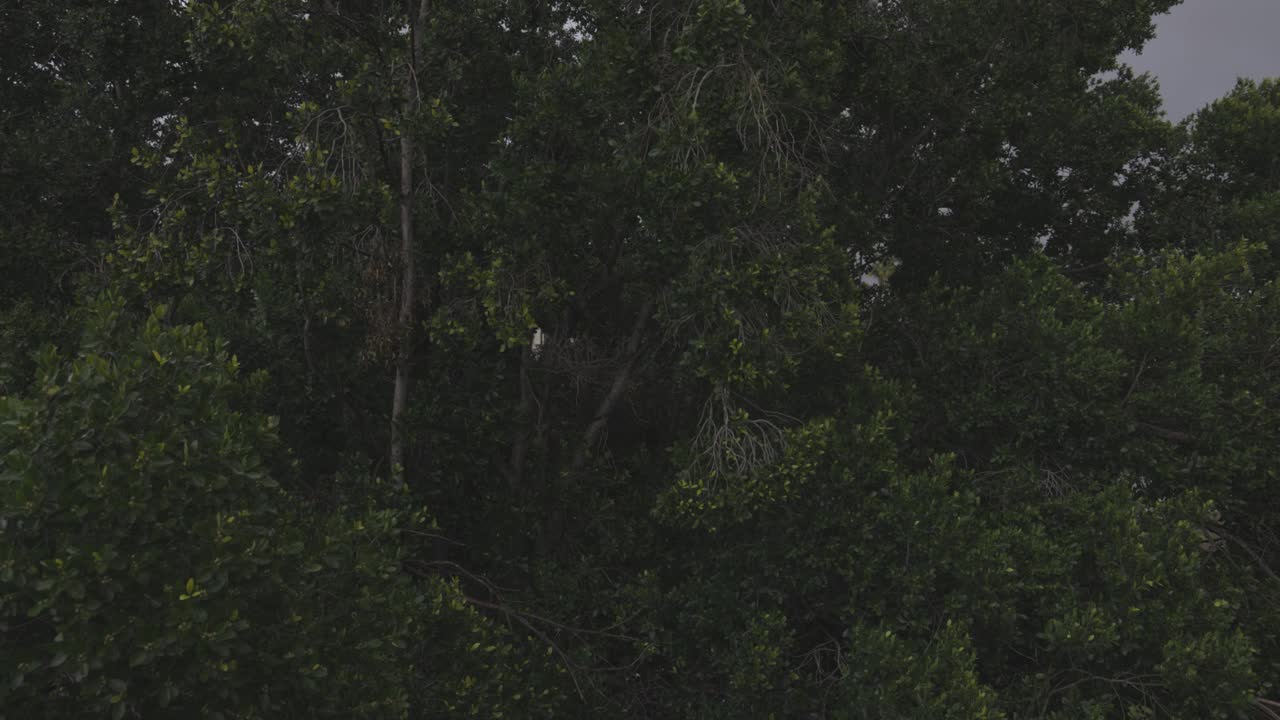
x,y
1176,436
620,381
729,442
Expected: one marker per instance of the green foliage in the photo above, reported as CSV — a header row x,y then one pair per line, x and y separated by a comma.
x,y
767,359
153,563
891,678
1221,185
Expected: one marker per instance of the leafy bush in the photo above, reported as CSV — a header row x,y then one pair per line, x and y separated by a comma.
x,y
151,563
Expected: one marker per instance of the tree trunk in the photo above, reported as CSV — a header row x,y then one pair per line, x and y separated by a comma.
x,y
408,278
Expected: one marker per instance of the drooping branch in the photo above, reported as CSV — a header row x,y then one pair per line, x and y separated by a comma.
x,y
730,443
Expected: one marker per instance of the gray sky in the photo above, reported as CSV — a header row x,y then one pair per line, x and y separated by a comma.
x,y
1202,46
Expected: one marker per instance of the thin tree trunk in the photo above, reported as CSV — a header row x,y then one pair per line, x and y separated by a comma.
x,y
408,281
524,428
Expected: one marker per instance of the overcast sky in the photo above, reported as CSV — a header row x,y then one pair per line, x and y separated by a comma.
x,y
1202,46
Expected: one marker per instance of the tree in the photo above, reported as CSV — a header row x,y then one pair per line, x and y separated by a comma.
x,y
1219,186
154,561
82,83
1030,474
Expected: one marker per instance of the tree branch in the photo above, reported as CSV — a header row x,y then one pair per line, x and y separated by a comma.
x,y
1176,436
616,390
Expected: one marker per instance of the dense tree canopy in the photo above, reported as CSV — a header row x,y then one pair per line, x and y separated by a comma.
x,y
684,358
